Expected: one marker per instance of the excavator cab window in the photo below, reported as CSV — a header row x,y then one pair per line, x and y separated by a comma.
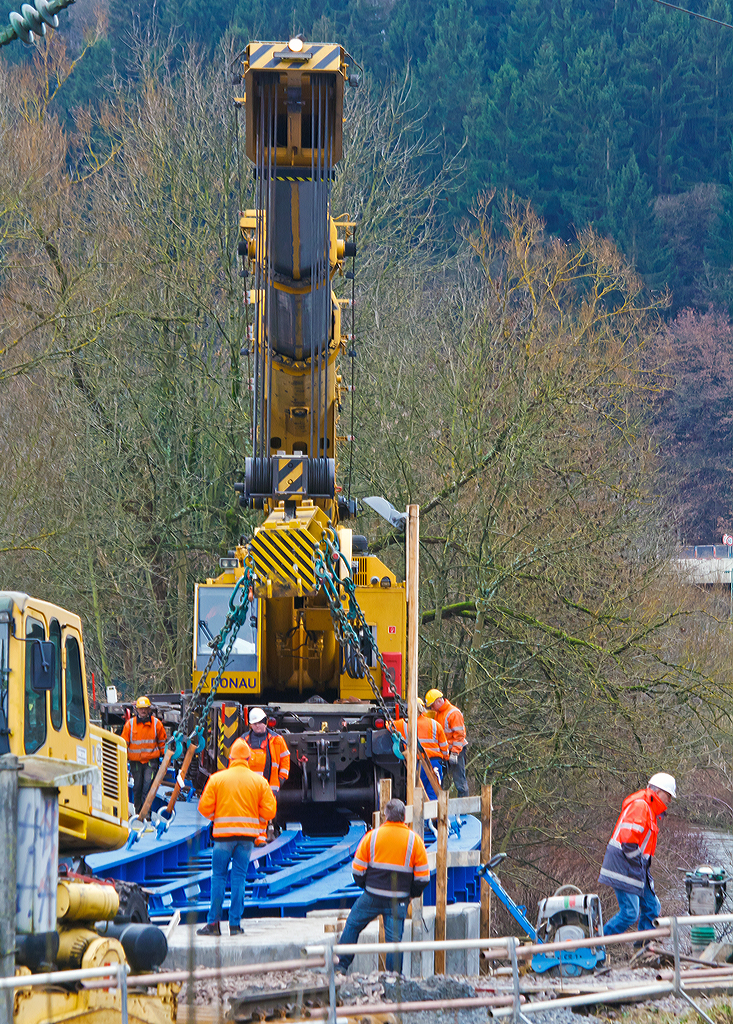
x,y
57,711
34,729
76,719
213,605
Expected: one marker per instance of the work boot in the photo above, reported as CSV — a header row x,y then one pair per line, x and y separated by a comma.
x,y
234,929
211,928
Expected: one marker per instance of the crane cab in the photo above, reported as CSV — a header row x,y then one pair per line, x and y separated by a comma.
x,y
51,718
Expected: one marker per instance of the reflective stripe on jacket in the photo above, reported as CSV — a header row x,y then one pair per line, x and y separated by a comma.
x,y
453,726
276,752
239,802
430,736
145,740
633,842
392,861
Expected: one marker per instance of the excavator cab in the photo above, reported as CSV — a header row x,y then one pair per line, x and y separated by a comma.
x,y
44,712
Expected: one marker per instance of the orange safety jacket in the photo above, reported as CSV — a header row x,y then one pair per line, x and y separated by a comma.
x,y
145,740
239,802
453,726
392,861
430,736
270,759
633,842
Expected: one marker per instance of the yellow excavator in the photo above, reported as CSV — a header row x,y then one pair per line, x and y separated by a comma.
x,y
65,920
44,712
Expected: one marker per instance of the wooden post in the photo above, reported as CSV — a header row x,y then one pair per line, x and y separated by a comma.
x,y
385,795
486,792
441,879
9,768
413,611
418,827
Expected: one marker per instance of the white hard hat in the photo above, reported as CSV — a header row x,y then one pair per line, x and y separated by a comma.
x,y
662,780
256,715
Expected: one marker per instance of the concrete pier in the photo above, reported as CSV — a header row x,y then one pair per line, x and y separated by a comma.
x,y
266,940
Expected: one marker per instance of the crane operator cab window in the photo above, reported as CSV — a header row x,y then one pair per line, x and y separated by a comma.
x,y
34,729
213,607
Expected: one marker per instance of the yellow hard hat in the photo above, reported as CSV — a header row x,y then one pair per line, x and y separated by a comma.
x,y
421,706
431,696
142,702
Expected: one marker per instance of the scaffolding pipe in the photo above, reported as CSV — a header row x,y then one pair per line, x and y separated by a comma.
x,y
723,971
206,973
64,977
600,940
610,995
500,944
666,922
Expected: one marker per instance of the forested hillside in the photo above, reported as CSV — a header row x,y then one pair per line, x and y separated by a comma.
x,y
543,356
618,116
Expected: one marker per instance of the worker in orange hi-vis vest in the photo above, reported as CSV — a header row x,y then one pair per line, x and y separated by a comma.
x,y
270,755
145,737
455,731
391,866
239,802
432,739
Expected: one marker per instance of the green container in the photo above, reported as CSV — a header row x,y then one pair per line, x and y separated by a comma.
x,y
702,935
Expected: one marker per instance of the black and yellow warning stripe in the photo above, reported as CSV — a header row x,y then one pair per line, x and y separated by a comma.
x,y
290,476
227,733
276,57
285,556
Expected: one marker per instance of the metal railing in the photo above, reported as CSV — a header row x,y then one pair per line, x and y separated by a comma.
x,y
324,955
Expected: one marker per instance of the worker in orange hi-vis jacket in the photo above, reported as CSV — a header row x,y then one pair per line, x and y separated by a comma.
x,y
432,740
391,865
455,731
145,737
270,755
240,803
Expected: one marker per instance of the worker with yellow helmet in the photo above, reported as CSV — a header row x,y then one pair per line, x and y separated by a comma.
x,y
454,727
145,737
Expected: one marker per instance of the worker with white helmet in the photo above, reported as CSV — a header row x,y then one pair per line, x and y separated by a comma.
x,y
627,863
270,756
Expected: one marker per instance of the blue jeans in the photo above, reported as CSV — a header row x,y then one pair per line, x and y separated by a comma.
x,y
238,851
633,907
366,908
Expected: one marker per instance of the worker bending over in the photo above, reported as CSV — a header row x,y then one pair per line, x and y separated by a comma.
x,y
451,719
432,740
145,737
240,803
391,866
627,863
270,755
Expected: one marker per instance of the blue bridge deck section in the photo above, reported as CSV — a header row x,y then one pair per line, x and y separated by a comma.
x,y
289,877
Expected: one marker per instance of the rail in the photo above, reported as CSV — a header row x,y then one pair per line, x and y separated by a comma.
x,y
512,1005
